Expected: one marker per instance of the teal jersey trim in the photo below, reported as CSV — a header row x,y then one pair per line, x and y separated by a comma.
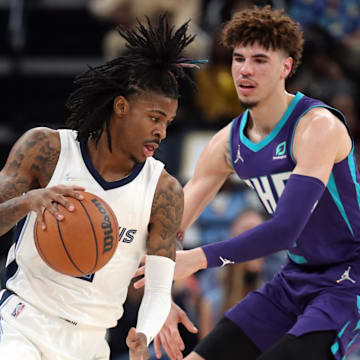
x,y
352,341
335,195
357,327
298,259
297,121
352,166
231,144
261,144
335,345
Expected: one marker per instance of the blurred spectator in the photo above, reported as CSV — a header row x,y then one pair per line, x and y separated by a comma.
x,y
322,76
320,72
126,11
216,96
216,12
215,221
341,18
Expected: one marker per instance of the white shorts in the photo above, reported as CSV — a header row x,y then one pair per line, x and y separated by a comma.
x,y
27,333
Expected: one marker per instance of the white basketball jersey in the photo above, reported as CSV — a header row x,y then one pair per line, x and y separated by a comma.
x,y
96,300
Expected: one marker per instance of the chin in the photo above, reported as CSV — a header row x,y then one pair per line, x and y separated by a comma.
x,y
138,161
248,104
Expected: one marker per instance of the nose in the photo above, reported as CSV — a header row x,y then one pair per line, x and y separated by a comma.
x,y
246,68
160,131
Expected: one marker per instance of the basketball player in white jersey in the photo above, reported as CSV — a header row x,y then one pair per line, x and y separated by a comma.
x,y
119,115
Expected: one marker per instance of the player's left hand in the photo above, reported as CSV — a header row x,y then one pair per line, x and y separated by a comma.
x,y
169,337
137,345
187,263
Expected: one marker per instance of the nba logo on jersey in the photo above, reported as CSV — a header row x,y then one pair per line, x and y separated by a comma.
x,y
18,309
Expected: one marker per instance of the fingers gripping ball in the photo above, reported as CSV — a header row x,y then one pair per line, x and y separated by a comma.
x,y
83,242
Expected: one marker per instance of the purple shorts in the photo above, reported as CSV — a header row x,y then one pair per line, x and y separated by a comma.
x,y
298,301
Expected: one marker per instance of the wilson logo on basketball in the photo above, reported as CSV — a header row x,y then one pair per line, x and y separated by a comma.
x,y
106,226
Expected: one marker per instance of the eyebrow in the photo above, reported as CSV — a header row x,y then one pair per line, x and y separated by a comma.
x,y
160,112
157,111
261,55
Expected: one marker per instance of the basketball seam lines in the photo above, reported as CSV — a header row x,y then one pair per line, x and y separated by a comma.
x,y
95,237
64,246
37,242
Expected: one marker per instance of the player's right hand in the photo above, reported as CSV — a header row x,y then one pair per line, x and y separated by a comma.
x,y
169,337
39,200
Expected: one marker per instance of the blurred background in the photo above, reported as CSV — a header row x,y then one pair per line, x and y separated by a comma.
x,y
45,43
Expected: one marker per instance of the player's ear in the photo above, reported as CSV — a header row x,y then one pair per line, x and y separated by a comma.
x,y
287,66
120,106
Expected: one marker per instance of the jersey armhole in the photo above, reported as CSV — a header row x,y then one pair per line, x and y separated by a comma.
x,y
64,144
336,112
231,144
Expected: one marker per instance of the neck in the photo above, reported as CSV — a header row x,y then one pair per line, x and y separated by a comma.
x,y
111,166
266,115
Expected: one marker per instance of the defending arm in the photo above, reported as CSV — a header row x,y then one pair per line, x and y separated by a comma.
x,y
293,210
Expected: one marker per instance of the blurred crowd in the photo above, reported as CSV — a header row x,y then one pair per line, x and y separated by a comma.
x,y
329,71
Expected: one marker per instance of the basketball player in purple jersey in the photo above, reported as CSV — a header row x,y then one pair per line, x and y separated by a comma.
x,y
297,154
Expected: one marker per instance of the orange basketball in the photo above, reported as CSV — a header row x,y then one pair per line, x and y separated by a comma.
x,y
83,242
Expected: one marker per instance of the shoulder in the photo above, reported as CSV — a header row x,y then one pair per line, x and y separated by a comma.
x,y
222,137
33,157
41,135
168,197
168,184
168,206
42,147
320,120
320,129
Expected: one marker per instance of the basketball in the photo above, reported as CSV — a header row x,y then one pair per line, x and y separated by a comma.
x,y
83,242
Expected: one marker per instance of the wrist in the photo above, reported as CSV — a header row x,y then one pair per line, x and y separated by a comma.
x,y
25,201
143,338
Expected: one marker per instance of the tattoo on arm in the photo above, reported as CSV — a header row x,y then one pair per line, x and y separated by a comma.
x,y
23,172
45,161
166,216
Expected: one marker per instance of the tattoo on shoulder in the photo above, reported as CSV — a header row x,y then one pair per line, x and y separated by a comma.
x,y
24,160
166,216
46,154
46,159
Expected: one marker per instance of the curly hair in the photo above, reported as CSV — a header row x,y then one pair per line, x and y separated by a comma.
x,y
270,28
152,62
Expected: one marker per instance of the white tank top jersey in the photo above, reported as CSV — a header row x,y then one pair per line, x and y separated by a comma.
x,y
96,300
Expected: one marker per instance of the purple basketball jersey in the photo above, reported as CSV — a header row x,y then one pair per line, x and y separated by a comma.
x,y
319,287
332,234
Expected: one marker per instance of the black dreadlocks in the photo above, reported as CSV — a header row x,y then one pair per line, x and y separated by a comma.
x,y
152,62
